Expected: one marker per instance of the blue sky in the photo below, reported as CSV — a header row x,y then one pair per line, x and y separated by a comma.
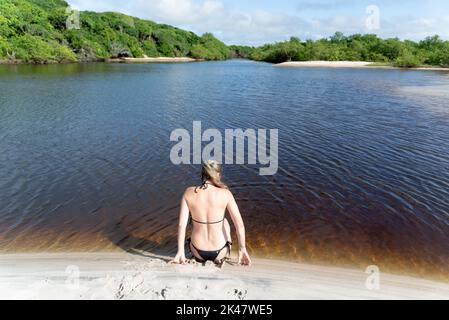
x,y
255,22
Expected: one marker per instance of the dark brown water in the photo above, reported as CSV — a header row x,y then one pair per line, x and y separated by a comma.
x,y
363,157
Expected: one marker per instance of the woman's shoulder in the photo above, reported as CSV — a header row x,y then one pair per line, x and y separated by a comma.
x,y
225,192
190,190
229,193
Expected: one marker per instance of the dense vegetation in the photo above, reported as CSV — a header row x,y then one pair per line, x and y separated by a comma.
x,y
35,31
431,51
241,52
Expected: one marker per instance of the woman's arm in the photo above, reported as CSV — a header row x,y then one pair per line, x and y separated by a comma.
x,y
236,217
182,225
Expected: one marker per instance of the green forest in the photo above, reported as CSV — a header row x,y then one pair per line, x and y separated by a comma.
x,y
431,51
35,31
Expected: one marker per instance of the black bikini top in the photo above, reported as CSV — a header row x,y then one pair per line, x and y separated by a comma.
x,y
200,222
204,186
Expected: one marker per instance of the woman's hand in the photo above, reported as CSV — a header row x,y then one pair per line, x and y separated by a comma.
x,y
180,258
244,258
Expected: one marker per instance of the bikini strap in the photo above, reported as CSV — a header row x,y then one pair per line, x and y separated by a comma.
x,y
203,186
228,255
200,222
228,244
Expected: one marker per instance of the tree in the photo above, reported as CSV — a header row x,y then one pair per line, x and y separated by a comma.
x,y
407,60
36,31
338,37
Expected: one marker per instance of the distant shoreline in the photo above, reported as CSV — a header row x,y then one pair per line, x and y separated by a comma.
x,y
110,60
350,64
153,59
290,64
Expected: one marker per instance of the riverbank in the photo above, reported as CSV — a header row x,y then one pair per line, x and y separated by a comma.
x,y
350,64
153,60
145,276
294,64
113,60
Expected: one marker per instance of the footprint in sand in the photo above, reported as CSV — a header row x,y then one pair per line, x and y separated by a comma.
x,y
239,294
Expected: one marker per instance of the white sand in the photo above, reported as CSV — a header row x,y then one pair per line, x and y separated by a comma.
x,y
349,64
326,64
126,276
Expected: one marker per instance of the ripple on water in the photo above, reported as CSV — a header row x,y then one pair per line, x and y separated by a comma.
x,y
363,170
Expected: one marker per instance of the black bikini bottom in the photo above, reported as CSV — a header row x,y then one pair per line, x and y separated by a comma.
x,y
208,255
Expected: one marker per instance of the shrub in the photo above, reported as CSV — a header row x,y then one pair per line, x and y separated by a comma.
x,y
63,53
149,48
6,51
407,60
32,49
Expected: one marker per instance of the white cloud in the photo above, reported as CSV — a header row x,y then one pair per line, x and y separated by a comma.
x,y
261,26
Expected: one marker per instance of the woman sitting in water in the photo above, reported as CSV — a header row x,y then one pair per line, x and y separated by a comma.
x,y
211,233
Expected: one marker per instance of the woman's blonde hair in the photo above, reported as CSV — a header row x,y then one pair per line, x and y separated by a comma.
x,y
211,171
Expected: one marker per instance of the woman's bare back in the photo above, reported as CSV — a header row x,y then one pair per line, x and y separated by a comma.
x,y
207,206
